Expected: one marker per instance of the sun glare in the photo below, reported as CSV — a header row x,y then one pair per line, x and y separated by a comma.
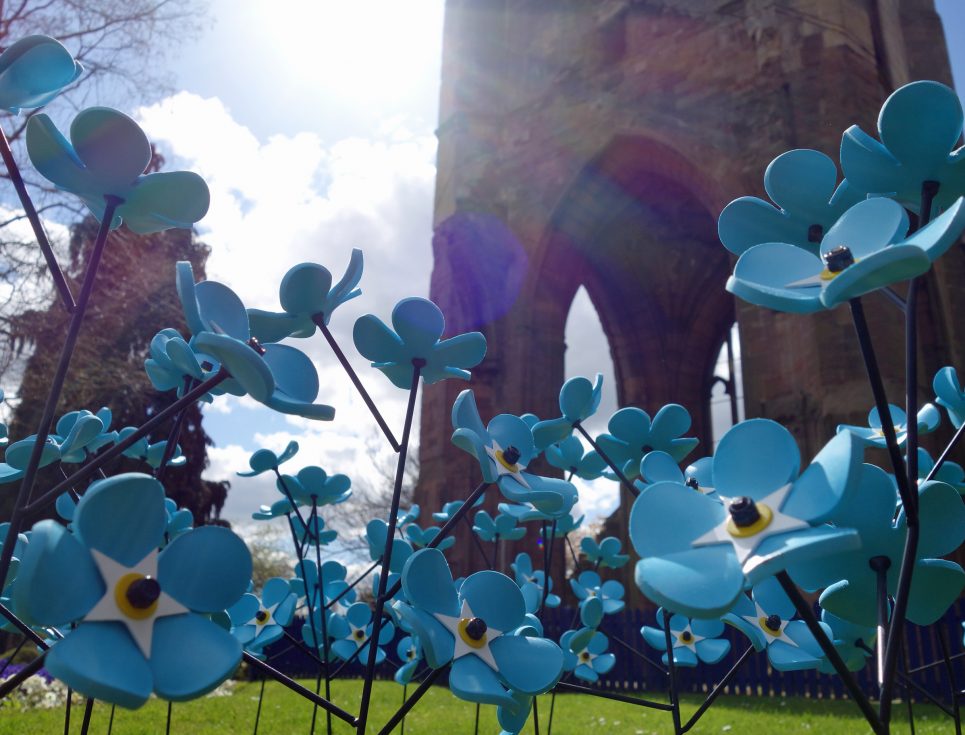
x,y
357,48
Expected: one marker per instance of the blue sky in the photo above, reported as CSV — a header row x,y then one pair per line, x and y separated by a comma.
x,y
312,121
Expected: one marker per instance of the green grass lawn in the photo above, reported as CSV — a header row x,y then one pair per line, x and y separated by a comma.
x,y
284,713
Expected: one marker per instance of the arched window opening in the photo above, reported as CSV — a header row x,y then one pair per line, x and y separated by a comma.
x,y
588,353
727,387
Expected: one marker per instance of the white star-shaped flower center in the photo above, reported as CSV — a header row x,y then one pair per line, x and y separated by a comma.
x,y
264,616
746,544
686,638
585,657
116,604
760,618
465,644
503,467
359,634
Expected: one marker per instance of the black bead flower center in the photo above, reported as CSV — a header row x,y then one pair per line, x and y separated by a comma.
x,y
476,629
773,623
838,259
815,233
360,634
686,637
143,592
254,344
511,454
744,512
261,616
692,483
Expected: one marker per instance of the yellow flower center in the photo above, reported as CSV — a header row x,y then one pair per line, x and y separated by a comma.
x,y
136,595
766,516
511,466
473,632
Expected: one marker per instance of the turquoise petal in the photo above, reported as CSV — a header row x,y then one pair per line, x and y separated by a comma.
x,y
164,200
763,273
660,467
942,519
438,644
471,679
216,583
672,421
18,453
682,657
512,431
465,415
495,598
772,598
221,310
245,365
882,268
184,281
579,398
427,583
190,656
655,519
852,600
591,612
293,372
867,227
244,609
802,181
828,481
375,341
268,327
935,586
737,468
101,661
33,70
631,425
701,582
949,394
59,581
419,323
712,650
943,231
112,146
52,156
655,637
529,665
124,518
304,289
462,351
780,551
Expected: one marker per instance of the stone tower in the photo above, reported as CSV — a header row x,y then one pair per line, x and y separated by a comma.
x,y
594,142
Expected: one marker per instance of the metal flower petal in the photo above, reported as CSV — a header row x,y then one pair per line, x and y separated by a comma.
x,y
33,71
949,395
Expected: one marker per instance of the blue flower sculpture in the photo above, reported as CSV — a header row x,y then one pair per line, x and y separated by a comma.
x,y
258,623
532,583
409,651
866,249
568,455
589,585
661,467
418,325
376,535
503,449
265,460
33,71
698,553
928,420
481,630
313,486
281,377
949,395
850,581
106,157
803,184
420,537
606,553
306,292
633,435
173,362
451,508
919,124
855,643
140,614
587,660
502,527
353,631
692,641
950,472
579,399
766,618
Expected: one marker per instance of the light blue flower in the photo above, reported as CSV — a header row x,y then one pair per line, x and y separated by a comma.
x,y
803,185
281,377
153,454
698,554
259,623
305,292
451,508
568,455
326,587
376,535
503,449
312,485
850,580
265,460
19,547
106,157
604,554
33,71
173,362
589,585
867,248
418,325
854,643
919,124
951,473
633,435
405,517
661,467
353,631
502,527
587,661
478,631
409,652
532,583
179,520
276,510
766,618
140,614
950,395
313,531
928,420
579,399
420,537
692,640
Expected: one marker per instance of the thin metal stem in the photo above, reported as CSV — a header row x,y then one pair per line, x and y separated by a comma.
x,y
321,587
28,207
358,579
88,711
173,436
716,691
616,470
411,701
56,387
806,613
950,672
21,676
70,696
23,627
6,664
549,726
417,365
639,654
535,716
672,671
167,728
568,687
118,449
261,696
319,320
110,722
478,543
880,565
298,688
944,455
